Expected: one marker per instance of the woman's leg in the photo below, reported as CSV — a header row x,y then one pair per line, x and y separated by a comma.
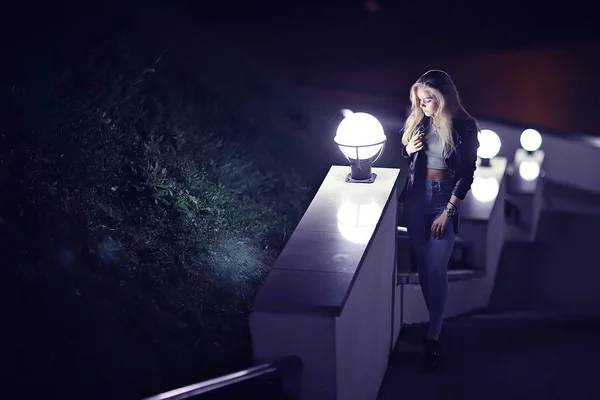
x,y
418,227
436,269
438,256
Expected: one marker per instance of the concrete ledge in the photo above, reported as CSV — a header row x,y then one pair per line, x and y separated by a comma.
x,y
330,297
524,192
580,151
525,174
453,275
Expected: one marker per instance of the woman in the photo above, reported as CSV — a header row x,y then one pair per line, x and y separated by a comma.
x,y
440,140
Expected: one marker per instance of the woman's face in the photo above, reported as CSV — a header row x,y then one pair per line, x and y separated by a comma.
x,y
427,102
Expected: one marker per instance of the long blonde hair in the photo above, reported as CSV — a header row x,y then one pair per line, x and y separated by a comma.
x,y
440,86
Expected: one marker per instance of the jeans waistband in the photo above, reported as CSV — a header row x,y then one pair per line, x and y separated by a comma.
x,y
439,183
445,186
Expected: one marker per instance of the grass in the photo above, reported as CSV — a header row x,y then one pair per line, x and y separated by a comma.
x,y
144,201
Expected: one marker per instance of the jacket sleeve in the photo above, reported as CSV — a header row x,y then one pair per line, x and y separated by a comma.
x,y
468,157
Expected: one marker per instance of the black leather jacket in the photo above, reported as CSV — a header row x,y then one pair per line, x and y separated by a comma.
x,y
462,163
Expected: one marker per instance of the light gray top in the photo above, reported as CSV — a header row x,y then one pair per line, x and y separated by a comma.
x,y
434,149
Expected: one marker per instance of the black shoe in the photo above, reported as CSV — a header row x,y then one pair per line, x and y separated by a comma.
x,y
433,355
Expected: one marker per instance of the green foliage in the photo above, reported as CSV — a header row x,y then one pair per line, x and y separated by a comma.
x,y
137,174
175,185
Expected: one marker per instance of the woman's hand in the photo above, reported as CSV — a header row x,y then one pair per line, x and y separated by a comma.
x,y
415,144
439,225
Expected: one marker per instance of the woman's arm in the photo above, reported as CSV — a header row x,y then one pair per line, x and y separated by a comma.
x,y
454,202
468,152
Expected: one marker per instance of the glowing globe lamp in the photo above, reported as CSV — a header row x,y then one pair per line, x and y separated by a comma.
x,y
489,146
361,138
531,140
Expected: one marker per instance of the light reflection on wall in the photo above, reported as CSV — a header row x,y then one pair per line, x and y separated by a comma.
x,y
356,222
529,170
485,190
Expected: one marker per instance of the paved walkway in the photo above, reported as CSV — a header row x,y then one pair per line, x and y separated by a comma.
x,y
502,356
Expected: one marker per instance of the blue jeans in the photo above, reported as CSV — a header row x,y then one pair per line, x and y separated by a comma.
x,y
421,208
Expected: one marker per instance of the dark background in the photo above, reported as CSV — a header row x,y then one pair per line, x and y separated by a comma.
x,y
529,61
533,63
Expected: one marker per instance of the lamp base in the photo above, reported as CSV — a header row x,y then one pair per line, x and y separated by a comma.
x,y
485,162
360,171
370,179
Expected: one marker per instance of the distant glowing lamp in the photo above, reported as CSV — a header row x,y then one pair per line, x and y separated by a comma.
x,y
531,140
489,146
485,189
360,136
